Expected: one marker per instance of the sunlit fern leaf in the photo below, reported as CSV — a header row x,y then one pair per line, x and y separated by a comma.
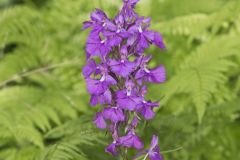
x,y
224,18
237,22
64,151
42,111
12,68
26,153
73,135
203,71
194,24
18,29
201,25
228,109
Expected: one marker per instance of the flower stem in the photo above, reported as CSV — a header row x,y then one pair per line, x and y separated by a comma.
x,y
145,157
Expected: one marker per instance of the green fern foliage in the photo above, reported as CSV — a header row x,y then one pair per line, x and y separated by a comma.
x,y
204,71
44,110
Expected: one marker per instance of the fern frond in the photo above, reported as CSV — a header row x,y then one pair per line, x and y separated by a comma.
x,y
73,138
184,25
203,71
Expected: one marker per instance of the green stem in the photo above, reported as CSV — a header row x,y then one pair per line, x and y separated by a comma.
x,y
145,157
173,150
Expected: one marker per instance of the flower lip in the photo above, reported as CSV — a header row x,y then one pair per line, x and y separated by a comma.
x,y
146,70
140,29
103,78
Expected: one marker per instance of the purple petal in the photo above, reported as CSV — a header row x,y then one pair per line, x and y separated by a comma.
x,y
119,19
131,40
106,98
155,154
144,91
110,80
112,148
131,2
113,114
158,40
122,68
115,40
99,121
142,44
131,140
154,151
89,68
128,102
111,26
94,100
98,15
95,86
158,74
154,141
147,112
87,24
149,35
124,50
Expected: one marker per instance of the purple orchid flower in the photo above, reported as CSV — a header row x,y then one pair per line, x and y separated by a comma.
x,y
155,75
97,87
97,46
131,140
98,17
99,21
104,98
128,11
153,153
114,114
116,32
112,148
122,67
146,109
144,37
127,99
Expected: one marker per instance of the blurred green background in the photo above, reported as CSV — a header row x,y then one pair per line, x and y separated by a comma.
x,y
44,111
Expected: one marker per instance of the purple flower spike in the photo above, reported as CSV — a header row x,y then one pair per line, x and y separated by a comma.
x,y
116,72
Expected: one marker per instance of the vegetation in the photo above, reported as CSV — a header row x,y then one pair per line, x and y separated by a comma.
x,y
44,110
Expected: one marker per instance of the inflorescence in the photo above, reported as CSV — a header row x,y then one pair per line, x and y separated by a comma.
x,y
117,81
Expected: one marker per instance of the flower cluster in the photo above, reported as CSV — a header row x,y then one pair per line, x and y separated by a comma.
x,y
116,74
